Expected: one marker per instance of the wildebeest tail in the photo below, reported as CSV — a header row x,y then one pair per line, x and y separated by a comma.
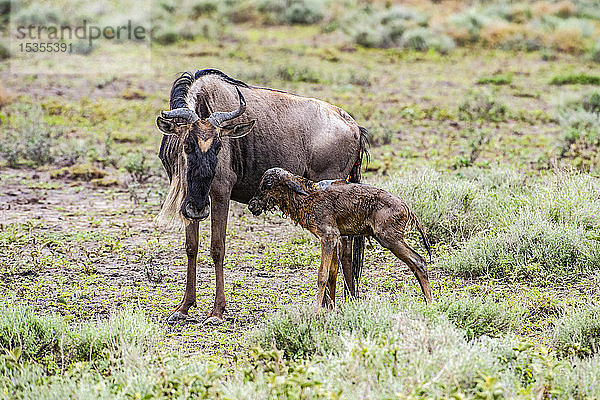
x,y
414,221
358,242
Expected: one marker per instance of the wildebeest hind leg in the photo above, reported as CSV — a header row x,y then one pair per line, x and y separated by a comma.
x,y
189,296
415,262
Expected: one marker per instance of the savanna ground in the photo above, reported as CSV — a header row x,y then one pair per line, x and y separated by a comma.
x,y
484,118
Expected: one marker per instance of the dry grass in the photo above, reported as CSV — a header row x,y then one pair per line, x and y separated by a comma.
x,y
568,40
500,31
563,9
5,96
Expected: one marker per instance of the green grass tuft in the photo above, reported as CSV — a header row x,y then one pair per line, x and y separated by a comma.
x,y
498,79
575,79
578,332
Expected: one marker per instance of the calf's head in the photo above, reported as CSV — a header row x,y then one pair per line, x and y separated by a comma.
x,y
200,141
275,187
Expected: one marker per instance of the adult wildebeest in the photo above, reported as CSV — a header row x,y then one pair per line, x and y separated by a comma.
x,y
331,208
210,159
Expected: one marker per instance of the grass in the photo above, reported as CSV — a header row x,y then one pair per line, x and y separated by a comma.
x,y
575,79
580,123
541,231
28,139
54,343
482,106
578,332
498,79
489,172
411,353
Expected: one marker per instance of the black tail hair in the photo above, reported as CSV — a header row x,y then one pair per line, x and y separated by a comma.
x,y
358,242
421,230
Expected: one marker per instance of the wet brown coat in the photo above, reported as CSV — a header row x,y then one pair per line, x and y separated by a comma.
x,y
329,209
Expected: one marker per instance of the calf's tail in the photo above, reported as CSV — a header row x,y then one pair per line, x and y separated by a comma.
x,y
417,224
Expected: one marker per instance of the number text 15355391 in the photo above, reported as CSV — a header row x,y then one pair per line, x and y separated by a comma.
x,y
35,47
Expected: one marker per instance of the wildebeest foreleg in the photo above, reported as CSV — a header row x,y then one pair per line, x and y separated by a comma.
x,y
328,248
189,297
218,224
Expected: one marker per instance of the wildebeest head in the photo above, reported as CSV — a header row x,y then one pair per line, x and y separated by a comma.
x,y
276,185
201,142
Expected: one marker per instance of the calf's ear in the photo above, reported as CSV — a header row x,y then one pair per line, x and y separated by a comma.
x,y
166,126
296,188
238,130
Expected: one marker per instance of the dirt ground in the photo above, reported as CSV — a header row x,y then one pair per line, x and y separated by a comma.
x,y
83,251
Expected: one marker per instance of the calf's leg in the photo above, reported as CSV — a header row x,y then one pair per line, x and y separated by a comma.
x,y
394,242
328,247
332,280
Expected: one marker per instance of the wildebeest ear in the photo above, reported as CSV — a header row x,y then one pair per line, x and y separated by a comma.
x,y
166,125
296,188
238,130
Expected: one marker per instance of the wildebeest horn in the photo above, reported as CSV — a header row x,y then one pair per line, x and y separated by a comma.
x,y
189,115
218,118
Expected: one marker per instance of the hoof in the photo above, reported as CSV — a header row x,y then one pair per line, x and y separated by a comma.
x,y
213,321
177,316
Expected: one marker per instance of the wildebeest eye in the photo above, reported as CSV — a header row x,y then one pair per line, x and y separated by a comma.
x,y
188,148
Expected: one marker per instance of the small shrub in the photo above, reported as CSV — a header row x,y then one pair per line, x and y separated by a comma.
x,y
575,79
465,27
300,334
564,9
304,12
591,103
497,32
204,7
27,138
241,12
167,36
497,79
40,14
5,98
90,342
481,106
568,40
454,208
396,27
138,166
480,316
291,11
578,332
422,39
581,135
299,74
4,51
476,140
5,9
51,341
82,172
532,248
594,52
37,337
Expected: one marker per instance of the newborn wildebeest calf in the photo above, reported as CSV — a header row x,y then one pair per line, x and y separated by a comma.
x,y
333,208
